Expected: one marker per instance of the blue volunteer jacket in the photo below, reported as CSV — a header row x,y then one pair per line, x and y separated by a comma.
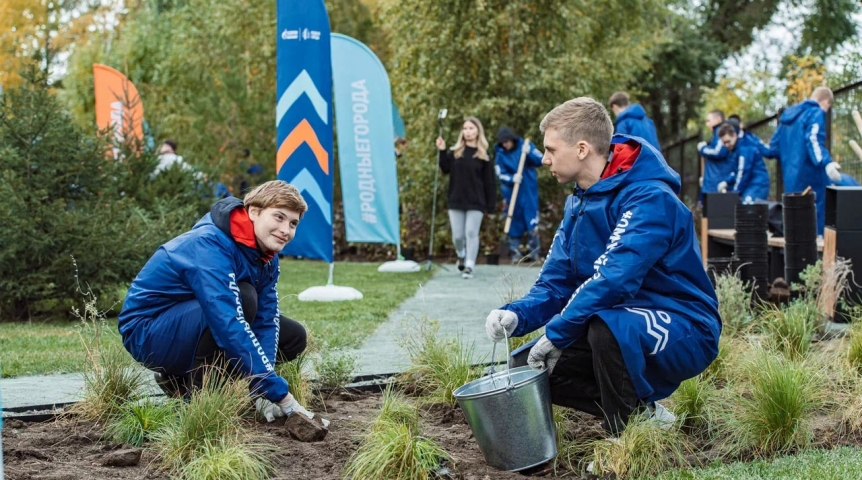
x,y
627,252
634,122
716,164
206,264
750,179
799,143
526,215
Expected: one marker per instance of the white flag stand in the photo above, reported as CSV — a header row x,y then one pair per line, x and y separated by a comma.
x,y
329,292
400,265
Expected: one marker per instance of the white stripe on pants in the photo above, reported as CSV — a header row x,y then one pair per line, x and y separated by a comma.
x,y
465,234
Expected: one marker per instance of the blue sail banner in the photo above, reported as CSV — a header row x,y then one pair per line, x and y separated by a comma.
x,y
303,119
366,154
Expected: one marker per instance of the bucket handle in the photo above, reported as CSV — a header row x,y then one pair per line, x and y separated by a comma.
x,y
508,354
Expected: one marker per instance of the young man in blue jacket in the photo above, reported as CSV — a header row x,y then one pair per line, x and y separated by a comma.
x,y
628,310
525,218
799,144
716,164
211,294
749,179
632,119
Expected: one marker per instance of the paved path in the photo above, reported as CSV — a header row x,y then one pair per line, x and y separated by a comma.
x,y
460,306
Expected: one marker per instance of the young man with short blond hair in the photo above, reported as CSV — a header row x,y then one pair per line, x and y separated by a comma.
x,y
211,294
628,310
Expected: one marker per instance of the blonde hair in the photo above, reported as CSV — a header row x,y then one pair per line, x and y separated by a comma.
x,y
579,119
481,141
276,194
823,93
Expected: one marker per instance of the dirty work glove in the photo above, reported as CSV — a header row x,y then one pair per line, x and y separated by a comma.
x,y
700,146
289,406
832,170
544,355
267,409
722,187
500,324
516,178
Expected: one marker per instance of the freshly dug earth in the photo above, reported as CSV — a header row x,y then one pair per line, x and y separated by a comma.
x,y
67,450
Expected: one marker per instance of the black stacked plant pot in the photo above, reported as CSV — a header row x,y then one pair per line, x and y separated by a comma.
x,y
800,234
751,246
720,266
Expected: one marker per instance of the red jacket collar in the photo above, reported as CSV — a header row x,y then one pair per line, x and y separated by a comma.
x,y
623,158
242,230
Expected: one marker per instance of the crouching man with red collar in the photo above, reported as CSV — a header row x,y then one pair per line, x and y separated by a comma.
x,y
211,294
628,310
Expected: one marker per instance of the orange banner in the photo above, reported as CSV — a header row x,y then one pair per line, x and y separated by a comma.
x,y
118,104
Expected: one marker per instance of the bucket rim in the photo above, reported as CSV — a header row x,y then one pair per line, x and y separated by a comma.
x,y
539,374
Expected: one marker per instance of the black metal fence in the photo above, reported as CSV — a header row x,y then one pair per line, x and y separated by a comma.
x,y
683,157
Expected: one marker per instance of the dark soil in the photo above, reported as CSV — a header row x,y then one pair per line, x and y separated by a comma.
x,y
67,450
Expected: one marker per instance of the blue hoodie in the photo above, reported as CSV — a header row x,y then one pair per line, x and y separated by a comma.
x,y
526,215
627,253
206,264
749,179
716,164
633,121
799,143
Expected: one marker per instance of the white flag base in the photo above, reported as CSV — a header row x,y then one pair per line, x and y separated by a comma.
x,y
329,293
399,266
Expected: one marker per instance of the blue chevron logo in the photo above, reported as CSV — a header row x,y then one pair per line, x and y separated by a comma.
x,y
304,182
301,84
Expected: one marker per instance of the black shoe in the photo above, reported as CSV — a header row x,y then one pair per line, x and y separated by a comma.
x,y
460,264
172,385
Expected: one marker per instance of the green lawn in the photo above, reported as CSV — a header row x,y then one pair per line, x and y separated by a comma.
x,y
841,463
54,347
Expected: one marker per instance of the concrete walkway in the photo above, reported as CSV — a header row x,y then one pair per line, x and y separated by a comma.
x,y
460,306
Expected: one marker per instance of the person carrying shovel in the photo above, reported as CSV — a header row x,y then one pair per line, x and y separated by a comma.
x,y
209,295
517,161
628,310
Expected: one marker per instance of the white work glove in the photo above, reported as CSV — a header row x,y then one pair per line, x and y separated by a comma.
x,y
516,178
700,182
832,170
722,187
289,406
500,324
700,146
544,355
267,409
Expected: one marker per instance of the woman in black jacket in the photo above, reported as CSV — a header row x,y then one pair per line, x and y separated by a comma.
x,y
472,189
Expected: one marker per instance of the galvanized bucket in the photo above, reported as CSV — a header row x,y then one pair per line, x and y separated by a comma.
x,y
511,417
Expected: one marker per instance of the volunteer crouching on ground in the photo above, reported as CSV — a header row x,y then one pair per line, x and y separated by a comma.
x,y
628,310
210,294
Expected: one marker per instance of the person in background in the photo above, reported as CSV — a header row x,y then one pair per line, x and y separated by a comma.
x,y
632,119
525,218
749,179
716,167
628,310
748,137
168,158
472,189
799,144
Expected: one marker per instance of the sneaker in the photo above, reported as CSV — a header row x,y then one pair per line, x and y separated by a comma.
x,y
460,264
592,465
662,416
467,273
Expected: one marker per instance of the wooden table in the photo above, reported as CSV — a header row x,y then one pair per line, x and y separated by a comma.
x,y
726,236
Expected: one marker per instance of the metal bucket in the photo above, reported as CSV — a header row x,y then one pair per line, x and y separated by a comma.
x,y
511,417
